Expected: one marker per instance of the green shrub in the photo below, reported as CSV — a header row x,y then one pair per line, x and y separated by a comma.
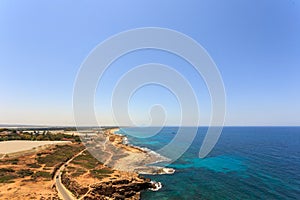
x,y
7,178
24,172
101,173
6,170
42,174
59,155
34,165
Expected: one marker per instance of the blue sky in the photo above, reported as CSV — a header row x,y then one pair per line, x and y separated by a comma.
x,y
255,44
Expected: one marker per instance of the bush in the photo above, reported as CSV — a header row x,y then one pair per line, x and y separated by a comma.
x,y
34,165
86,160
7,178
6,170
59,155
78,172
101,173
42,174
24,172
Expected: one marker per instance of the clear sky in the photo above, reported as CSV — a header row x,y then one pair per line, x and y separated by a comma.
x,y
255,44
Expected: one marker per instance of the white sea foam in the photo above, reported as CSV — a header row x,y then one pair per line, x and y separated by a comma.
x,y
158,158
158,186
169,170
125,140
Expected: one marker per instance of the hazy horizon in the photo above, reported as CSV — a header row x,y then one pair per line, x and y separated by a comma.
x,y
45,125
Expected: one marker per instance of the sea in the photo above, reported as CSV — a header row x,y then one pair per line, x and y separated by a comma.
x,y
246,163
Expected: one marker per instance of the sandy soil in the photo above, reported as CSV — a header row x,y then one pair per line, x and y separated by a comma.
x,y
14,146
28,190
29,186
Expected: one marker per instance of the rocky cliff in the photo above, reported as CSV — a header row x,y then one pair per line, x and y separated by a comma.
x,y
119,189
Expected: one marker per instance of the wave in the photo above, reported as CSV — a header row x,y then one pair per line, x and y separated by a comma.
x,y
158,158
157,185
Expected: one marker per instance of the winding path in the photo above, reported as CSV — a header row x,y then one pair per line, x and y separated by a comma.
x,y
111,154
63,192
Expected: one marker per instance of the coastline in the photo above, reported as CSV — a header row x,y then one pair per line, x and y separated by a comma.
x,y
113,150
139,159
106,167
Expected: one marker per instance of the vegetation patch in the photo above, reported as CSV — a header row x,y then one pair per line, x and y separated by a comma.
x,y
34,165
7,175
23,135
86,160
42,174
78,172
7,178
6,170
24,172
101,173
9,161
59,155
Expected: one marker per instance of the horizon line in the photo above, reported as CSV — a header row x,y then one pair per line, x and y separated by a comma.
x,y
124,126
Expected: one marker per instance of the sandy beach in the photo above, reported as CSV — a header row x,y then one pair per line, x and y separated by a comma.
x,y
111,149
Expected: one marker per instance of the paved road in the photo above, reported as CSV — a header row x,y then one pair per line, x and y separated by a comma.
x,y
63,192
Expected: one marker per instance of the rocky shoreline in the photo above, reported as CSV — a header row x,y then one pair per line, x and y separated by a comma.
x,y
127,162
113,175
135,159
119,189
119,185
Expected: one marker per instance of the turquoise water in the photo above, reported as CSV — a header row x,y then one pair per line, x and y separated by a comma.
x,y
246,163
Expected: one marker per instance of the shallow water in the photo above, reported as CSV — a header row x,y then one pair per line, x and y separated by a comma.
x,y
246,163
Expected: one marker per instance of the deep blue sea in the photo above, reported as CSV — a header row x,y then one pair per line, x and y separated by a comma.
x,y
246,163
